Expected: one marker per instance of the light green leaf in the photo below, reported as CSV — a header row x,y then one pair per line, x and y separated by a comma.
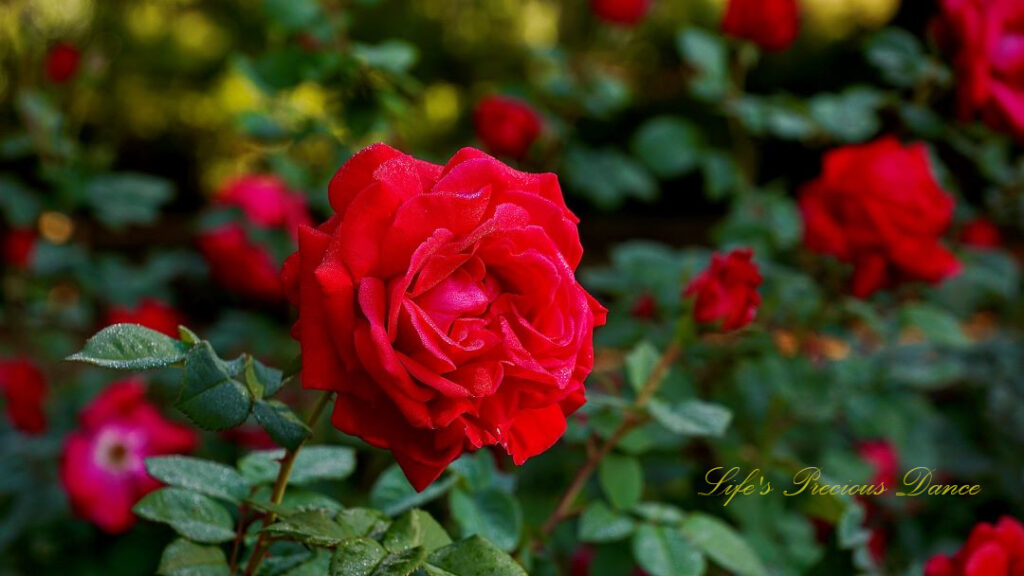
x,y
622,479
475,556
600,524
640,362
691,417
393,494
202,476
119,200
723,544
415,528
665,551
357,557
313,464
131,347
490,513
184,558
669,146
192,515
313,527
938,326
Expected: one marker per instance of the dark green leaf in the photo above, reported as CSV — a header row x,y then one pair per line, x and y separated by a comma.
x,y
938,326
131,347
192,515
283,426
357,557
691,417
184,558
475,556
415,528
665,551
491,513
708,56
202,476
126,199
622,479
313,464
363,522
313,527
393,494
600,524
210,396
669,146
723,544
640,362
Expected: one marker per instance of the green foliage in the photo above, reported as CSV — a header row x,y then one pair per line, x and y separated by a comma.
x,y
313,464
131,347
490,513
192,515
202,476
622,480
665,551
184,558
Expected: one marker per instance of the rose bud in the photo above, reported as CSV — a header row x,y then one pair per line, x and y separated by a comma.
x,y
621,12
102,467
440,303
725,293
506,126
981,233
24,389
62,62
771,24
879,207
990,550
149,312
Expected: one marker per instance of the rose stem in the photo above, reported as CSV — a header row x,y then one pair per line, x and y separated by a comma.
x,y
631,421
287,463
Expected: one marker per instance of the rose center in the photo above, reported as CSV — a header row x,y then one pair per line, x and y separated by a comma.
x,y
114,451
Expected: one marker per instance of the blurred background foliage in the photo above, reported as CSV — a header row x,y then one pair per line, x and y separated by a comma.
x,y
666,136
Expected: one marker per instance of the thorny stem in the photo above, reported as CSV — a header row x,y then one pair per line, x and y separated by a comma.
x,y
632,420
280,485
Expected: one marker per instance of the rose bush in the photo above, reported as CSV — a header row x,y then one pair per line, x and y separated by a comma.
x,y
726,293
440,303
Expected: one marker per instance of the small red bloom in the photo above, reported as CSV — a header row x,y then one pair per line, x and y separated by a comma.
x,y
102,467
645,307
267,202
771,24
506,126
151,313
726,291
19,245
24,389
990,550
981,233
62,62
879,207
881,455
621,12
441,304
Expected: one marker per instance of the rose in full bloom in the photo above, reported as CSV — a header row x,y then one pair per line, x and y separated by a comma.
x,y
981,233
24,389
879,207
771,24
989,59
149,312
725,293
253,207
102,466
62,62
990,550
441,304
621,12
19,245
507,126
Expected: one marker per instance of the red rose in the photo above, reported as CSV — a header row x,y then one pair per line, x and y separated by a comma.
x,y
981,233
645,308
19,245
238,261
881,455
506,126
726,291
989,551
985,35
62,62
151,313
24,389
441,304
771,24
879,207
103,464
622,12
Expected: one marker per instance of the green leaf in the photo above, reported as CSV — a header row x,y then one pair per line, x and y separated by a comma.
x,y
357,557
608,177
394,56
202,476
393,494
363,522
415,528
401,563
665,551
901,59
622,479
722,544
659,513
640,362
210,396
938,326
669,146
18,203
283,426
475,556
708,55
851,116
293,14
313,527
313,464
184,558
691,417
490,513
192,515
599,524
131,347
120,200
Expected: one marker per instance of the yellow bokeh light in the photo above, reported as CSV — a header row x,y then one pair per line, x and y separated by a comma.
x,y
539,24
237,94
441,104
308,99
198,35
56,227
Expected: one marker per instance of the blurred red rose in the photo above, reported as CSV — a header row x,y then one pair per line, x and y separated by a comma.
x,y
986,37
989,551
771,24
622,12
645,307
441,304
24,390
102,466
882,457
19,245
250,437
238,262
506,126
981,233
725,292
879,207
62,62
149,312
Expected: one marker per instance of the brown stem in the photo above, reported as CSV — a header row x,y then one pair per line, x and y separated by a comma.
x,y
280,485
632,420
